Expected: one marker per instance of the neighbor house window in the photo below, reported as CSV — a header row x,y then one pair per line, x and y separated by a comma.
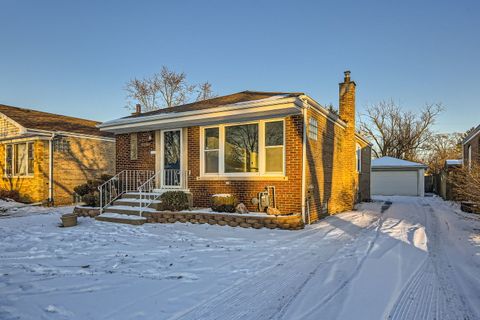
x,y
313,128
133,146
19,159
244,149
469,157
358,156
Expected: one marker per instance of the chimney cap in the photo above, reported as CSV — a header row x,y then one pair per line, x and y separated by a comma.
x,y
138,109
347,75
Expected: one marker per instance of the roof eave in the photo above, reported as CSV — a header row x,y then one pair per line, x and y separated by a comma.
x,y
111,126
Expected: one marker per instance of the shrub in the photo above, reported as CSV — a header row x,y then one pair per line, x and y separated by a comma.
x,y
174,200
91,199
82,189
10,195
89,191
224,203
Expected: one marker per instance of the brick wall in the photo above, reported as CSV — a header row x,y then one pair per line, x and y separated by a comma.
x,y
77,160
364,175
288,193
145,159
475,145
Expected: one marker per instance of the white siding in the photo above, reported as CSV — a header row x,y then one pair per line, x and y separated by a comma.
x,y
400,182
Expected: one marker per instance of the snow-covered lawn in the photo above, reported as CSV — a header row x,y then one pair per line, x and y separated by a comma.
x,y
414,259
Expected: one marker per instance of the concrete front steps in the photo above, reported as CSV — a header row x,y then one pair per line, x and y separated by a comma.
x,y
127,208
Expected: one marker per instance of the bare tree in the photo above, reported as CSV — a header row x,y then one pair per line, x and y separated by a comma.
x,y
164,89
205,91
396,132
441,147
466,183
144,91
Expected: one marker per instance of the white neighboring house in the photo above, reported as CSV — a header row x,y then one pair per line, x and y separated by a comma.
x,y
392,176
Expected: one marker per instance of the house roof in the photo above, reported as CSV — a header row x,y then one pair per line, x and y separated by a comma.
x,y
390,162
39,120
453,162
472,134
231,99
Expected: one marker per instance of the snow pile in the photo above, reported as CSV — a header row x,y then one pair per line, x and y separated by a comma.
x,y
418,259
385,162
121,216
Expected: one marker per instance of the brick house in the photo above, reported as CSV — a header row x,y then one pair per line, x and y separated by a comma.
x,y
44,156
471,147
245,142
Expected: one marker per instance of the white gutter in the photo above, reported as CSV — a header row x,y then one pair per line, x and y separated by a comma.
x,y
68,134
304,160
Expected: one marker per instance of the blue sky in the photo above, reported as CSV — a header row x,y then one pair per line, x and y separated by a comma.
x,y
75,57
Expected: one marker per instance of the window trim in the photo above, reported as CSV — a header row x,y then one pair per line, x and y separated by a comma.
x,y
27,169
261,151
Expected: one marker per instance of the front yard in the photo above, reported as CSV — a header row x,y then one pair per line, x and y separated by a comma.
x,y
412,258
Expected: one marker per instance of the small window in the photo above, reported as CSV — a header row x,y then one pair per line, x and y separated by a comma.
x,y
8,159
211,150
313,128
358,156
274,146
31,158
469,157
133,146
20,159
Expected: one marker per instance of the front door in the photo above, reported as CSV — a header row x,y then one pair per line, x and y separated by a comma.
x,y
171,158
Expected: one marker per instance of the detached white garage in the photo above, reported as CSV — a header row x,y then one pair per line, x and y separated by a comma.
x,y
392,176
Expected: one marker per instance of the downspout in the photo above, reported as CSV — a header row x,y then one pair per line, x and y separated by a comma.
x,y
50,169
304,160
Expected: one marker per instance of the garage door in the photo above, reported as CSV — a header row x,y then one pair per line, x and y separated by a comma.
x,y
388,183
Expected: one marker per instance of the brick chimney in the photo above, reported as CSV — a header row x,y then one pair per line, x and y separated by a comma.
x,y
138,109
347,100
348,149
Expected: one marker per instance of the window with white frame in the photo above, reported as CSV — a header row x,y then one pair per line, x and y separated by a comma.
x,y
19,159
274,147
254,148
313,128
211,150
358,156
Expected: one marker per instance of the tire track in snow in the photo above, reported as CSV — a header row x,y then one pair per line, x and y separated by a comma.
x,y
266,294
430,293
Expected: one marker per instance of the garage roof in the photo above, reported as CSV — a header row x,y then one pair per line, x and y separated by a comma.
x,y
395,163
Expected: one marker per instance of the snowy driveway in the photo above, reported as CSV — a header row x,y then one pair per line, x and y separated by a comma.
x,y
412,259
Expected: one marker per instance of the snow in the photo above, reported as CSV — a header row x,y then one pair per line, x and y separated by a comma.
x,y
395,163
137,200
130,208
235,214
121,216
222,195
454,162
416,258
